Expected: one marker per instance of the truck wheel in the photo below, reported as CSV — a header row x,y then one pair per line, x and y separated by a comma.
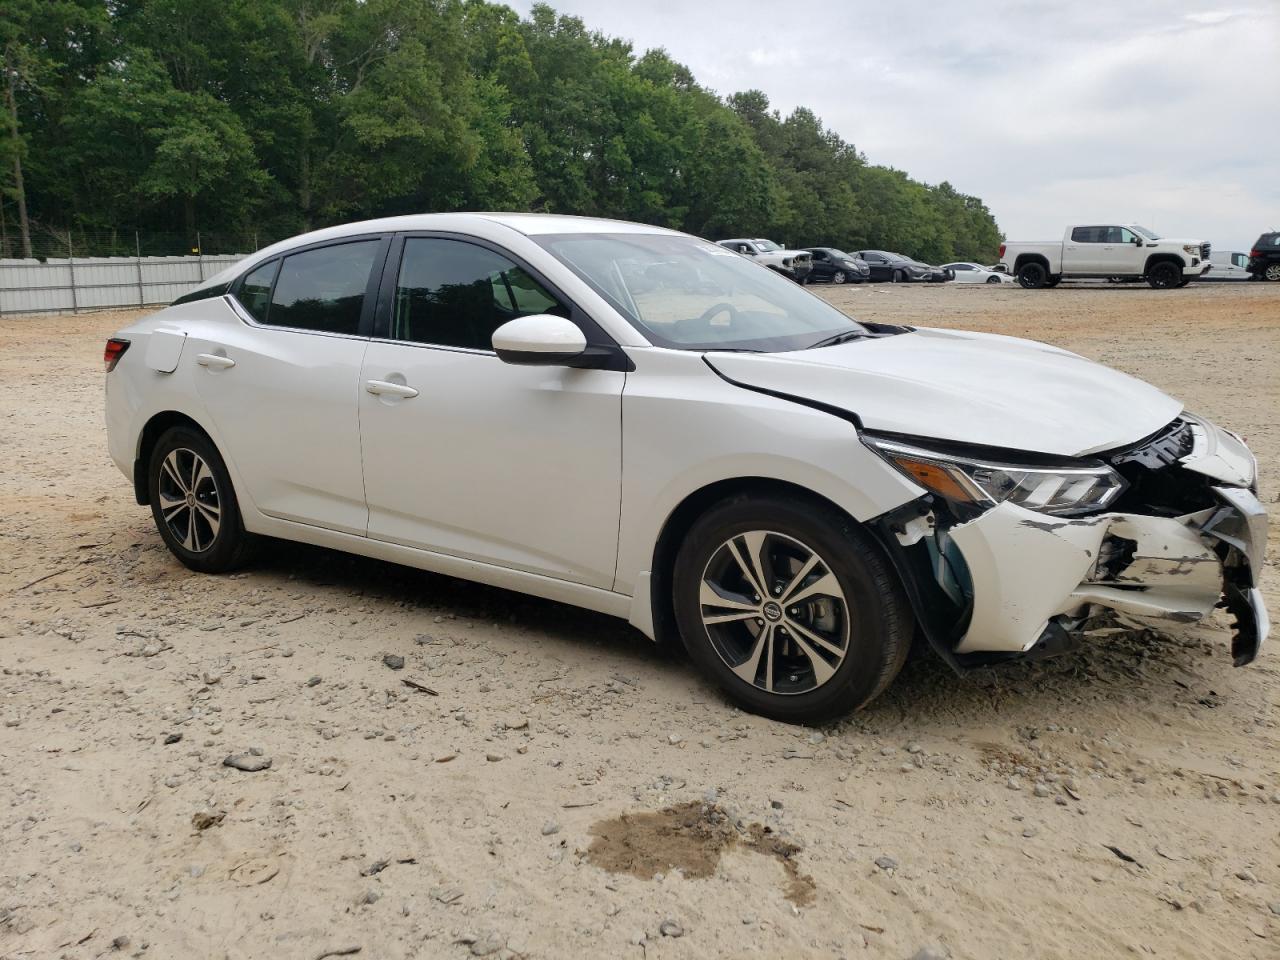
x,y
1164,275
1053,282
1033,275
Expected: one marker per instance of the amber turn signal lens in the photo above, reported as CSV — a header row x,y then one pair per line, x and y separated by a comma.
x,y
937,479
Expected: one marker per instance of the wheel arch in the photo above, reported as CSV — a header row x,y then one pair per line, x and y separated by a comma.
x,y
150,434
1024,258
686,513
1155,258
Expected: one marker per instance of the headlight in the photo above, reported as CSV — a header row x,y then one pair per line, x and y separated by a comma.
x,y
1062,491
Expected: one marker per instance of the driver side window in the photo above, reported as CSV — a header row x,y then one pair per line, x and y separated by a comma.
x,y
455,294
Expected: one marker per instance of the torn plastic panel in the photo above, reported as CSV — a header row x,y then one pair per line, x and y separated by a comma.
x,y
1011,582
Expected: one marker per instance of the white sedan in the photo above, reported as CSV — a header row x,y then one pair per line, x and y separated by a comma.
x,y
976,273
646,424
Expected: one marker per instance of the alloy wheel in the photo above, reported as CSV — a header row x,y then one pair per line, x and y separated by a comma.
x,y
1272,271
189,500
839,277
775,612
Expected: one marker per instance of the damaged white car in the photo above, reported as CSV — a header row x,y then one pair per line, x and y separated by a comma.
x,y
646,424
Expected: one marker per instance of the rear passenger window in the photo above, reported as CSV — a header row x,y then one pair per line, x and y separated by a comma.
x,y
255,290
323,290
1087,234
455,294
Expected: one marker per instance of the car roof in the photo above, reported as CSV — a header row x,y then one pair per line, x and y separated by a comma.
x,y
481,223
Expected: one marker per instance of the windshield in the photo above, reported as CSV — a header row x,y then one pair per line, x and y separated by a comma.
x,y
839,255
768,246
689,294
1144,231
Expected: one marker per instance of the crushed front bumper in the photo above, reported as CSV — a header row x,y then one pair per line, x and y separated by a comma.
x,y
1189,535
1028,571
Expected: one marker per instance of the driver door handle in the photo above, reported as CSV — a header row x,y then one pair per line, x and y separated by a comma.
x,y
383,388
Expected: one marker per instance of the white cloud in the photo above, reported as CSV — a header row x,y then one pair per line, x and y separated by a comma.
x,y
1049,111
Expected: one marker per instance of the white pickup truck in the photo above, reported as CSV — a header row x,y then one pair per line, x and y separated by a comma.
x,y
795,264
1107,251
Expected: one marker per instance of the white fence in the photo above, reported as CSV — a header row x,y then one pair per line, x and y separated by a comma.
x,y
34,286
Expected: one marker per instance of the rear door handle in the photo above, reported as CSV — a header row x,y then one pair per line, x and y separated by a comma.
x,y
383,388
215,361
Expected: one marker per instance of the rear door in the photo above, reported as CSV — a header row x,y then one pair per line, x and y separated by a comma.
x,y
1083,250
281,384
465,455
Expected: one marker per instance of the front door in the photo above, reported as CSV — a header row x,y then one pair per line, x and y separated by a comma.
x,y
281,381
465,455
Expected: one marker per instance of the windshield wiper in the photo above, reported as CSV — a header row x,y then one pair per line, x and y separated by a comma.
x,y
832,340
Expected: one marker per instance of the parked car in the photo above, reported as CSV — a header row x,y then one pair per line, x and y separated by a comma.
x,y
964,272
790,492
794,264
1264,258
1113,251
835,266
884,266
1228,265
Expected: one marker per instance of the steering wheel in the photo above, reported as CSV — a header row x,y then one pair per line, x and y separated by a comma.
x,y
721,307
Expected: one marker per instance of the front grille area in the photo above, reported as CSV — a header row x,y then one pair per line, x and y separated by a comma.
x,y
1205,249
1158,483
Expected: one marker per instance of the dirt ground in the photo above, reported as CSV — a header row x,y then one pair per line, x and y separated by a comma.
x,y
1122,800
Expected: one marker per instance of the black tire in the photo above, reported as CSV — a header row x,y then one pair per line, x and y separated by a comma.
x,y
1164,275
898,277
1053,282
839,277
1184,281
872,618
1271,272
203,547
1033,275
993,280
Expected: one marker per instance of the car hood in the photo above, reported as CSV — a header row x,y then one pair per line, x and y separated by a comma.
x,y
967,388
1172,241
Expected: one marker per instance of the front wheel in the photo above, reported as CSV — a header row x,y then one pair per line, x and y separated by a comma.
x,y
1164,275
993,279
839,277
898,277
790,608
194,506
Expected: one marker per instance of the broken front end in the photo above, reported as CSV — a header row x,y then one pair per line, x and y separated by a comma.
x,y
1007,558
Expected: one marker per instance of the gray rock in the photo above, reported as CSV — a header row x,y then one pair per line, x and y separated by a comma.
x,y
172,738
313,682
1274,907
1042,790
372,895
886,863
393,661
932,952
550,827
670,928
247,762
1246,875
486,946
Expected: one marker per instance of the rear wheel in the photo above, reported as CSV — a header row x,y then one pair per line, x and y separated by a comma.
x,y
790,608
194,506
1033,275
1272,272
993,279
898,277
1164,275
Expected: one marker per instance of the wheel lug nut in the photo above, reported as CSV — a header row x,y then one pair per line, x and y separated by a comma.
x,y
760,621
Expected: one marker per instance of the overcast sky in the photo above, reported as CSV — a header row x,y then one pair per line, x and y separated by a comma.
x,y
1162,112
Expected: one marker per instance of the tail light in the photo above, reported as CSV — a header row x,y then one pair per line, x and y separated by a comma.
x,y
1255,253
114,351
1002,251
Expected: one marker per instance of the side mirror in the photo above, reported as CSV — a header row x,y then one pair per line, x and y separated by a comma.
x,y
1137,241
539,340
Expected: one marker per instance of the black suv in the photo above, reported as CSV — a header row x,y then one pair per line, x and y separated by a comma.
x,y
1264,258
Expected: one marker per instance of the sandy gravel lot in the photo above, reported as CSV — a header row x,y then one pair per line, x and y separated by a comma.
x,y
971,817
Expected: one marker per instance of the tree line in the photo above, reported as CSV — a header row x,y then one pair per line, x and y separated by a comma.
x,y
270,117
